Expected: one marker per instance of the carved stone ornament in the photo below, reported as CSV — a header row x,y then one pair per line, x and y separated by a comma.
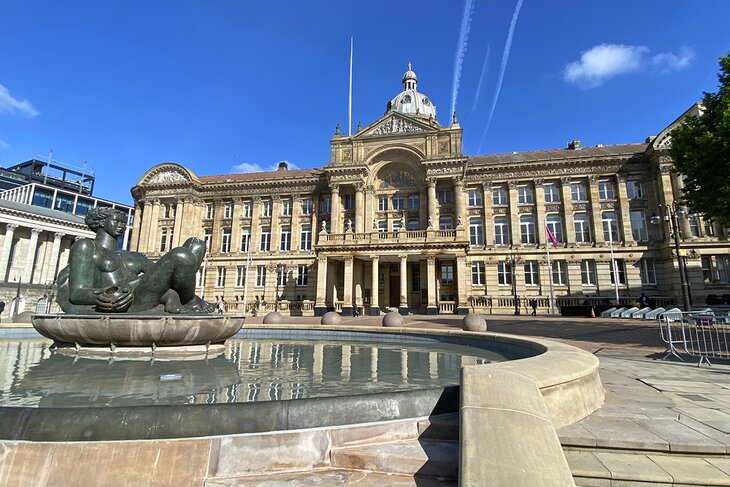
x,y
500,210
608,205
553,207
167,177
397,179
395,125
581,206
444,147
475,211
525,209
347,154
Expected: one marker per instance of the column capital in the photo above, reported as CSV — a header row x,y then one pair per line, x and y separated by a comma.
x,y
335,188
35,231
11,226
348,258
512,184
539,182
431,182
487,185
359,186
296,197
403,256
566,179
276,197
431,258
58,235
458,180
375,258
257,199
592,178
321,258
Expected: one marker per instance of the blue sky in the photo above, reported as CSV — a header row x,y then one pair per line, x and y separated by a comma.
x,y
231,85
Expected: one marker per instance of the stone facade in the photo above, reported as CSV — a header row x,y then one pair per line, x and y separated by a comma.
x,y
401,219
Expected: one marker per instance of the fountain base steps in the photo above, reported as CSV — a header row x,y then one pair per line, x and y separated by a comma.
x,y
330,477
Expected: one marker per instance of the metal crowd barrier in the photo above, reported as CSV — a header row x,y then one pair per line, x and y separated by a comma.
x,y
699,334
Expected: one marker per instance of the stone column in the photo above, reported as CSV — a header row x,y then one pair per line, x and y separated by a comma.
x,y
275,223
459,201
514,215
177,226
320,306
432,202
336,218
359,208
540,234
153,227
403,306
30,255
296,228
256,205
357,275
374,281
596,211
50,272
461,277
488,216
568,231
432,308
236,225
370,209
134,245
347,291
624,213
7,247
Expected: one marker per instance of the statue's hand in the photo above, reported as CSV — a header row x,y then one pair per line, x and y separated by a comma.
x,y
114,300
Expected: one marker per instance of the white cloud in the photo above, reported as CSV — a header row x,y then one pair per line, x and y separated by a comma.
x,y
602,62
254,167
13,105
606,61
666,62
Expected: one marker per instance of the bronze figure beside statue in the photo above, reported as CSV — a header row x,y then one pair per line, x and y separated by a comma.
x,y
101,279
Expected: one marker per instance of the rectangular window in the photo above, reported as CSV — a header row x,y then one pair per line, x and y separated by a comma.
x,y
582,227
305,242
306,206
397,201
476,232
260,276
209,211
588,272
247,209
721,261
446,223
555,225
397,225
285,241
477,273
634,190
499,196
228,210
240,276
610,227
200,278
445,197
504,274
447,273
348,201
163,240
524,195
605,190
168,211
414,201
578,192
412,225
706,269
552,193
382,203
647,271
245,239
560,273
280,276
501,231
265,244
527,229
416,277
220,277
302,275
620,269
286,207
226,240
208,237
638,226
325,206
266,208
382,226
532,273
709,228
475,197
694,225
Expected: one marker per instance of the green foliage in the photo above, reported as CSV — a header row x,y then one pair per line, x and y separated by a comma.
x,y
701,151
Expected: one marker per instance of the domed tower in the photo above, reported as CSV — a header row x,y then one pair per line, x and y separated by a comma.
x,y
410,101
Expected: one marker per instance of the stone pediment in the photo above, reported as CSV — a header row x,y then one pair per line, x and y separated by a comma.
x,y
166,174
394,124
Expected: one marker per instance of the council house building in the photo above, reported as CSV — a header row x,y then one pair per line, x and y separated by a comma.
x,y
400,218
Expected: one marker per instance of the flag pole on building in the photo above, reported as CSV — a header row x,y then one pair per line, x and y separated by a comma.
x,y
551,240
349,98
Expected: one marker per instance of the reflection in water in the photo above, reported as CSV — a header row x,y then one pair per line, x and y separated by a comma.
x,y
251,370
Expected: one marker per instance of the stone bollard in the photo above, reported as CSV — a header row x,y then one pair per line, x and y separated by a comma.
x,y
273,318
393,319
474,322
331,318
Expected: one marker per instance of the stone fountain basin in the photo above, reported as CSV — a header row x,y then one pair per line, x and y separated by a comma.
x,y
137,330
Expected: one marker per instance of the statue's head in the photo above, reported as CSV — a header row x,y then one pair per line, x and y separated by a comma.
x,y
197,247
111,219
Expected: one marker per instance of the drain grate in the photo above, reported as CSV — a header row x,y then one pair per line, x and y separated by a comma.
x,y
694,397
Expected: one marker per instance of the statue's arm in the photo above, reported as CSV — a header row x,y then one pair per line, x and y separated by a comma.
x,y
82,270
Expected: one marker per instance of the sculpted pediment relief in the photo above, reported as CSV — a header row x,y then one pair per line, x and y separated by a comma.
x,y
167,177
394,125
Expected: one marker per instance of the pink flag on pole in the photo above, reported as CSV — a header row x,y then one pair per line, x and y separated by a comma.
x,y
550,237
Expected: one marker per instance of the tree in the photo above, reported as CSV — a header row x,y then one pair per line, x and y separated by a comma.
x,y
701,151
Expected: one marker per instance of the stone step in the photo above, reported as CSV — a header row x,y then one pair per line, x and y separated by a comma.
x,y
330,477
422,458
593,468
440,427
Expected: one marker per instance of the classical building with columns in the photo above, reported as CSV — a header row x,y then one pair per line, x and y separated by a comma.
x,y
400,218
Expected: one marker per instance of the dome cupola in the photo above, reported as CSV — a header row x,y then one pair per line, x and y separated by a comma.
x,y
410,101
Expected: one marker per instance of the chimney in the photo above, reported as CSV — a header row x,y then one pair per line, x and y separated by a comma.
x,y
574,144
283,166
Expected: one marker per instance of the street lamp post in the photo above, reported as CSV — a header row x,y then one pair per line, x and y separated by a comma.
x,y
514,260
280,270
614,267
672,216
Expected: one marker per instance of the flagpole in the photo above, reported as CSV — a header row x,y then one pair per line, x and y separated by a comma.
x,y
349,99
550,269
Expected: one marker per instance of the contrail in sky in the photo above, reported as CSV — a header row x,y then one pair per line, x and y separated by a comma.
x,y
461,50
481,80
502,68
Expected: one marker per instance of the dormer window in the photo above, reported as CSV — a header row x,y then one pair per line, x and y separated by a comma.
x,y
406,99
425,101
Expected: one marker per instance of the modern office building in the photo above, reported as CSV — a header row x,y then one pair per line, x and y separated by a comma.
x,y
400,218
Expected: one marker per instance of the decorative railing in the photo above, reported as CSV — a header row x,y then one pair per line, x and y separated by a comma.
x,y
447,307
397,236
